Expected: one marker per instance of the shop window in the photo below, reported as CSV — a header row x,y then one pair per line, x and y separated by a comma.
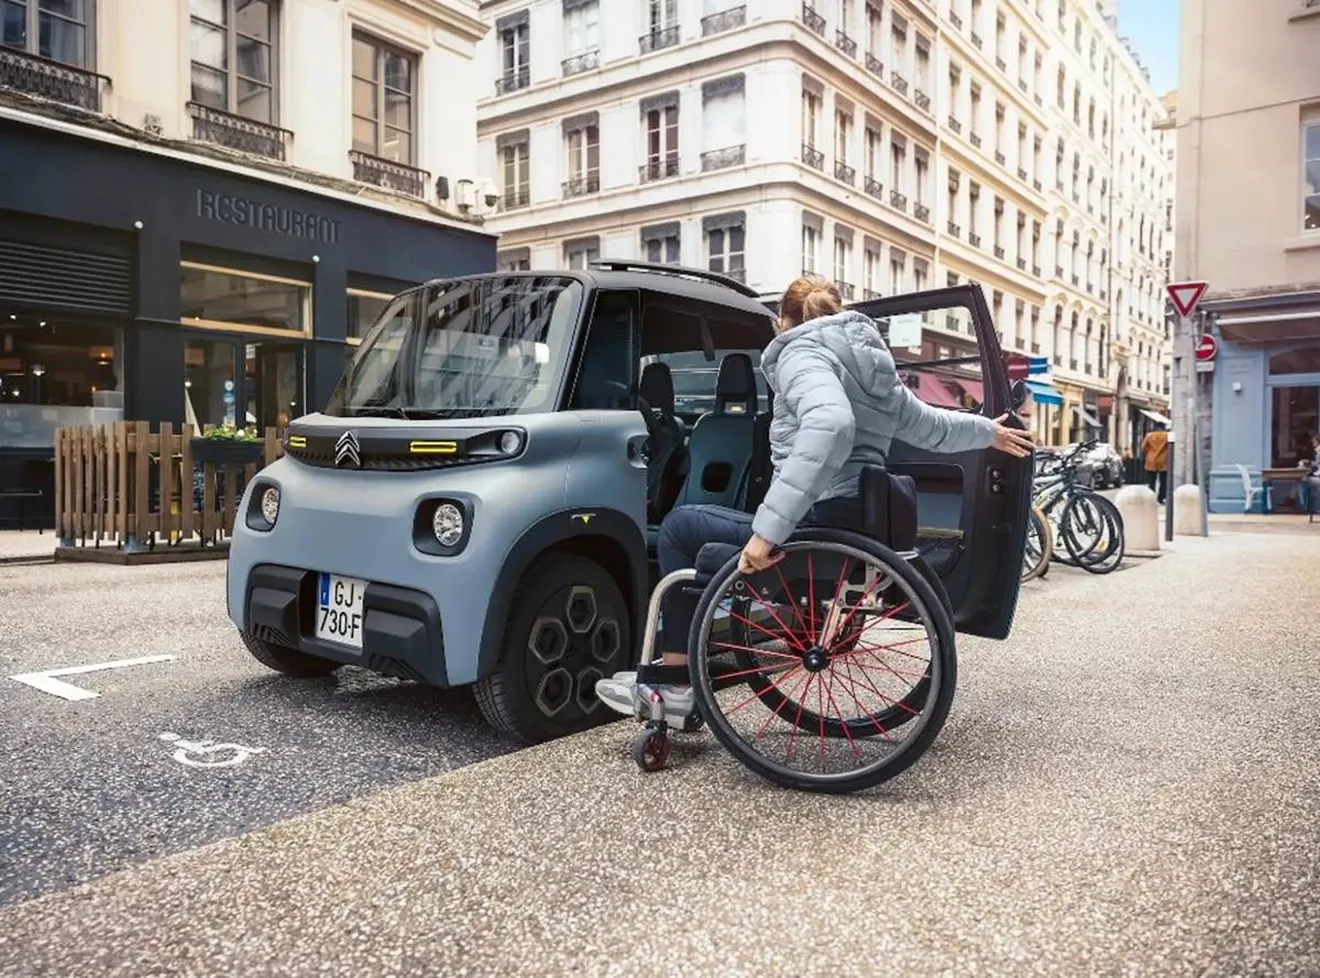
x,y
1305,360
233,53
1296,419
209,385
384,100
221,297
364,308
1311,163
50,29
55,373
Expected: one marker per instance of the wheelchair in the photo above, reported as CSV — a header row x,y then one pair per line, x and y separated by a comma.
x,y
832,671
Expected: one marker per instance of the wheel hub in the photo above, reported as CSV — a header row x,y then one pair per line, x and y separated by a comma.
x,y
815,659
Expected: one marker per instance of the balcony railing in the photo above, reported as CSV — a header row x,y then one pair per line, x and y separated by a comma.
x,y
1058,186
1072,363
43,78
1022,264
875,66
874,188
898,201
1075,280
389,175
1022,85
951,323
975,140
922,99
813,20
658,169
512,81
844,172
976,39
955,230
586,61
1022,173
999,252
1035,347
845,43
1035,185
847,290
870,294
722,159
1035,271
955,20
1000,158
1037,99
1058,272
922,213
974,239
237,133
955,125
1058,359
725,20
1001,64
813,157
588,183
517,198
899,82
659,39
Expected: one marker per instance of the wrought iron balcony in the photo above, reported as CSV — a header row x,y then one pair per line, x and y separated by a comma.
x,y
974,239
389,175
922,99
1072,363
814,21
951,322
1035,185
586,61
813,157
955,125
512,81
875,66
1022,264
1022,173
955,230
1000,158
1022,85
1035,271
237,133
1058,272
725,20
975,140
899,82
999,252
658,40
922,213
898,201
847,290
1018,342
1001,64
1088,368
976,39
844,172
517,198
658,169
43,78
1058,359
874,188
1035,347
1058,186
870,294
845,43
955,20
722,159
1075,280
1038,100
588,183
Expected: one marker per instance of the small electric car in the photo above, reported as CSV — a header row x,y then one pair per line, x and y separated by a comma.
x,y
478,502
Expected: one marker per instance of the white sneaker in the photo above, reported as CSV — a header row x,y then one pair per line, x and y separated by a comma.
x,y
621,693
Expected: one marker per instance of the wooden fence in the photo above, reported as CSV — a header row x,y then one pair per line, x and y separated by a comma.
x,y
130,487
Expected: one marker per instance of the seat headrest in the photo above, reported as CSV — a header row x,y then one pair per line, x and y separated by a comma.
x,y
735,387
657,387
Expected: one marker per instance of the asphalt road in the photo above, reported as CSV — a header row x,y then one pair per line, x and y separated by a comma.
x,y
89,786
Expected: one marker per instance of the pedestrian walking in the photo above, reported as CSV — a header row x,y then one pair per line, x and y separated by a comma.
x,y
1155,450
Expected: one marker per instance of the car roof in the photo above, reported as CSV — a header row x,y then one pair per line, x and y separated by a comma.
x,y
696,284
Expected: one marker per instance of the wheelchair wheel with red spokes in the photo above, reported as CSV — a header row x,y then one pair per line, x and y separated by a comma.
x,y
832,671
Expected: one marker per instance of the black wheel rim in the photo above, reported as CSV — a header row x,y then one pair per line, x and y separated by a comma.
x,y
574,640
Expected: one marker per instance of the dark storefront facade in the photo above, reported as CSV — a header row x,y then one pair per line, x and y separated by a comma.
x,y
141,286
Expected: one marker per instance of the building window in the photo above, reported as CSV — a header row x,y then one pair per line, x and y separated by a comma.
x,y
723,123
232,50
57,29
515,169
874,161
515,56
55,373
582,33
725,251
1311,150
384,80
243,301
810,118
580,254
898,165
897,269
364,308
663,251
583,148
661,25
810,247
870,273
842,135
662,142
918,277
518,260
842,262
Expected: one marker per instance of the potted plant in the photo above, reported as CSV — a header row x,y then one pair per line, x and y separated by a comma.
x,y
227,445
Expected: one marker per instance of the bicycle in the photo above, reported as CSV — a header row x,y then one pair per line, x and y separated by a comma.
x,y
1089,525
1040,546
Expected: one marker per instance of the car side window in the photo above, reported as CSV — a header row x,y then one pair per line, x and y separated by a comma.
x,y
607,374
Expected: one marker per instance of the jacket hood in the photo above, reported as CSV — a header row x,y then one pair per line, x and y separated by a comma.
x,y
851,337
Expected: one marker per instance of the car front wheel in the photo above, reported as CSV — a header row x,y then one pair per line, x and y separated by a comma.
x,y
568,627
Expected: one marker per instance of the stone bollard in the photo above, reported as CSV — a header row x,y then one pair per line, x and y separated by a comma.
x,y
1141,522
1187,505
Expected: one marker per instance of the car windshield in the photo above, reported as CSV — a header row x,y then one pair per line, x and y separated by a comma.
x,y
480,347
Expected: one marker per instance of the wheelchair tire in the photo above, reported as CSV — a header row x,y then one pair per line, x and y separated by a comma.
x,y
928,702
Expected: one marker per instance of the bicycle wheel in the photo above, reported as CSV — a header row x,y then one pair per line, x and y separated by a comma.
x,y
1092,531
849,634
1040,545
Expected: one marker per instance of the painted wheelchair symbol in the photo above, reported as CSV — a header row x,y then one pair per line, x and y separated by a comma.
x,y
201,753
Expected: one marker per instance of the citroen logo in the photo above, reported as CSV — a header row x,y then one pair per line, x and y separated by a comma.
x,y
347,451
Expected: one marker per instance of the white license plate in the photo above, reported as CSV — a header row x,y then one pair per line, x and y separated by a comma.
x,y
339,610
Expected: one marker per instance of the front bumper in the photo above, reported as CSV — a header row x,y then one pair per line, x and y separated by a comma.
x,y
402,634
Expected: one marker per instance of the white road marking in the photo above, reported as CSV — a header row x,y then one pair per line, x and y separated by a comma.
x,y
48,683
239,753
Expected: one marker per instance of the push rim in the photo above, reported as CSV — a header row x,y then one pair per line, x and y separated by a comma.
x,y
841,651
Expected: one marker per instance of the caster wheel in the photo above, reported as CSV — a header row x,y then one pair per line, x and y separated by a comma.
x,y
650,749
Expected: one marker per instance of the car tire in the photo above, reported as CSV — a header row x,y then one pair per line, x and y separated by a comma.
x,y
288,661
554,650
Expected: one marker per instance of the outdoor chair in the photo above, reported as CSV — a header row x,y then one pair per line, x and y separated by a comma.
x,y
1250,492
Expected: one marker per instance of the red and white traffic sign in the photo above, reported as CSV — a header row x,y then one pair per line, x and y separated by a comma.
x,y
1016,366
1185,296
1206,347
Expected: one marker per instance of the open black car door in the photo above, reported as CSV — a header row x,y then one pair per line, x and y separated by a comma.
x,y
973,507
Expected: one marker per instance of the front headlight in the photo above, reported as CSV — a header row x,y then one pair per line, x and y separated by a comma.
x,y
447,524
270,505
510,443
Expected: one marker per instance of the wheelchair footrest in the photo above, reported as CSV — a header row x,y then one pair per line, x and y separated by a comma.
x,y
662,675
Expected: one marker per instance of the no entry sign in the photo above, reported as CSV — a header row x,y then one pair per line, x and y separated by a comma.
x,y
1206,347
1185,296
1016,366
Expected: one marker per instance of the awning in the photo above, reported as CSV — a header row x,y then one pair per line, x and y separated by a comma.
x,y
974,388
1088,417
1043,393
1156,417
930,390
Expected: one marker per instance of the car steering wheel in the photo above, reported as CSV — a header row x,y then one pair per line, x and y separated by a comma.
x,y
647,412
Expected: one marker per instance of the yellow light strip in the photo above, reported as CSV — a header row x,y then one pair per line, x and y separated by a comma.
x,y
433,447
297,441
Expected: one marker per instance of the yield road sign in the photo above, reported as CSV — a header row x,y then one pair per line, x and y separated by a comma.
x,y
1185,296
1206,347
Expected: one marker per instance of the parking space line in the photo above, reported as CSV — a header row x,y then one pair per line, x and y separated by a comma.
x,y
48,683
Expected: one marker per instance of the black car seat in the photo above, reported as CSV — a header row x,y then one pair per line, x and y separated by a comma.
x,y
667,434
720,447
761,469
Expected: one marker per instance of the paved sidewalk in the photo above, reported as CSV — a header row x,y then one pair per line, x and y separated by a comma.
x,y
1129,786
26,544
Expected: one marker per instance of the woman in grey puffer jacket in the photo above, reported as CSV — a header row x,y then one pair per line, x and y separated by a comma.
x,y
839,403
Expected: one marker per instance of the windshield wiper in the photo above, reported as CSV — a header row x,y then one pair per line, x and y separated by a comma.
x,y
377,412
